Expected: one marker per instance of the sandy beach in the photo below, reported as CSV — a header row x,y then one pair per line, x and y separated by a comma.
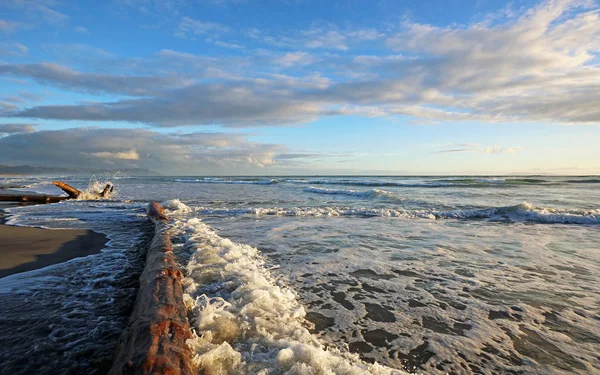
x,y
25,249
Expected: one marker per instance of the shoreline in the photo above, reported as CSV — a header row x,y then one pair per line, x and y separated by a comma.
x,y
25,249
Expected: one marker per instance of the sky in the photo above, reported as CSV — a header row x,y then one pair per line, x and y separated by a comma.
x,y
290,87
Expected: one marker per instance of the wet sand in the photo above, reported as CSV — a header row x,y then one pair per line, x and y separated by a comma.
x,y
25,249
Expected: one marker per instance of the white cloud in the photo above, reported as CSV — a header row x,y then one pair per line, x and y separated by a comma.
x,y
40,11
540,67
475,148
17,128
9,26
13,49
365,34
61,76
80,30
155,7
189,28
295,58
220,43
320,36
329,39
123,155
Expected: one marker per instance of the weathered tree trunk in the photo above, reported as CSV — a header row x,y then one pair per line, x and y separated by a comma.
x,y
108,189
154,341
71,191
39,198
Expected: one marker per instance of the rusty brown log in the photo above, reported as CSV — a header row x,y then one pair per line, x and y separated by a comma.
x,y
155,339
108,189
70,190
156,213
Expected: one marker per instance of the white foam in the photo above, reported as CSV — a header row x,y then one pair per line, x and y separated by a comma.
x,y
244,320
380,183
318,212
175,206
517,213
356,193
93,190
208,180
528,212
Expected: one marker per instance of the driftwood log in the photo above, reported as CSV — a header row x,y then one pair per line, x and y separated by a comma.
x,y
72,193
155,339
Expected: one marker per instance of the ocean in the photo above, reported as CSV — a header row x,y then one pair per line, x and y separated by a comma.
x,y
327,275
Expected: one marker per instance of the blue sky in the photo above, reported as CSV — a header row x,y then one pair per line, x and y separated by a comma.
x,y
302,87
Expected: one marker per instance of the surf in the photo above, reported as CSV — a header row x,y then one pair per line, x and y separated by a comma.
x,y
244,320
524,212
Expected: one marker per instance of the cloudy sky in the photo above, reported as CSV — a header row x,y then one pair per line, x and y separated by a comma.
x,y
229,87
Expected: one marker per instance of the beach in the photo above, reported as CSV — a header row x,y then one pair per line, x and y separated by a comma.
x,y
24,249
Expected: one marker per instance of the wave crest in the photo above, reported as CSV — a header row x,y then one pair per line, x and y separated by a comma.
x,y
373,193
524,212
211,180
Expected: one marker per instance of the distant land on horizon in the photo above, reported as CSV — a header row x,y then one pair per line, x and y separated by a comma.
x,y
35,170
28,170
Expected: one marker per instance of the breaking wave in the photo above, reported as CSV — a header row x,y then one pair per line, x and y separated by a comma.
x,y
211,180
373,193
524,212
374,183
476,182
440,183
246,322
584,181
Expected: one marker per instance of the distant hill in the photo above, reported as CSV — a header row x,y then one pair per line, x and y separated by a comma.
x,y
31,170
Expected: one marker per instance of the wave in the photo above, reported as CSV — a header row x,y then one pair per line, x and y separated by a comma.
x,y
244,320
374,183
355,193
454,182
524,212
588,181
445,182
480,182
528,212
491,181
211,180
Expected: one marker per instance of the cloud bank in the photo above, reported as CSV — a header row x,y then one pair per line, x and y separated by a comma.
x,y
199,153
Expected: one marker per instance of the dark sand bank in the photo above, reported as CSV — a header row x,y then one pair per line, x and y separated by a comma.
x,y
25,249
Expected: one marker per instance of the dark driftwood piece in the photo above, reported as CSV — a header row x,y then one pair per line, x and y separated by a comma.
x,y
108,189
154,341
39,198
71,191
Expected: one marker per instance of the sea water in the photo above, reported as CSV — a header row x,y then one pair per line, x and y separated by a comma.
x,y
328,275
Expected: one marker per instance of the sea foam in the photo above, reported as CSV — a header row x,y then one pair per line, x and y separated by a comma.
x,y
244,320
211,180
524,212
373,193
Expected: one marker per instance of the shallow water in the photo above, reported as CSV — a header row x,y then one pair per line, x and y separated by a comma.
x,y
434,275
